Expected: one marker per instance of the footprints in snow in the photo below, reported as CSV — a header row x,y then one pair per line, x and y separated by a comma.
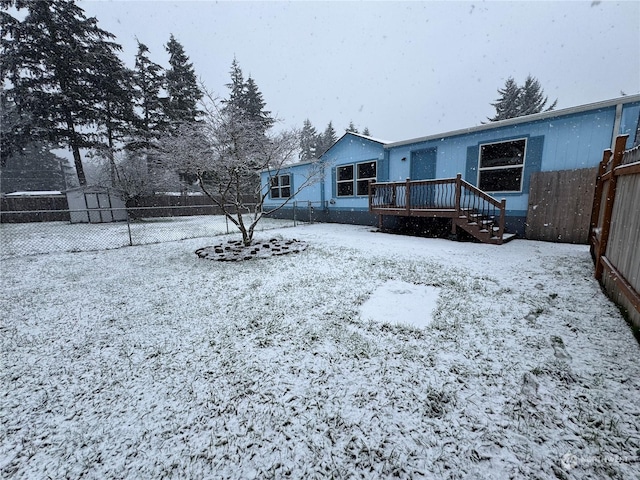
x,y
558,348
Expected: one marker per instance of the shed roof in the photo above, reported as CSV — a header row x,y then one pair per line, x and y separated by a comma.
x,y
93,189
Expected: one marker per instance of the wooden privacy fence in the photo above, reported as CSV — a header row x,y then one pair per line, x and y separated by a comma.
x,y
560,205
36,208
615,227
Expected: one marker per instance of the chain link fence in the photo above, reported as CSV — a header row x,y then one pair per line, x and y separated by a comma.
x,y
139,226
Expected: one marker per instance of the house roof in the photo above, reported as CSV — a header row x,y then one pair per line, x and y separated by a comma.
x,y
524,119
367,137
359,135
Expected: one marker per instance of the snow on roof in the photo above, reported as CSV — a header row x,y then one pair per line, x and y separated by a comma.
x,y
366,137
38,193
92,189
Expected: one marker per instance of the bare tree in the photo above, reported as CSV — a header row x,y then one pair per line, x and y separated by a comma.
x,y
224,153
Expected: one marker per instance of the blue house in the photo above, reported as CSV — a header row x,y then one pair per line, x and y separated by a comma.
x,y
478,177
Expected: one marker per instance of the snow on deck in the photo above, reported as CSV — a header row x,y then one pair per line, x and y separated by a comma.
x,y
148,362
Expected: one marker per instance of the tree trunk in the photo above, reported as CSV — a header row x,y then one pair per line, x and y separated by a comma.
x,y
73,143
77,160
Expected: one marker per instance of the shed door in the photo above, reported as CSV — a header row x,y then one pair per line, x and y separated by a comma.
x,y
423,164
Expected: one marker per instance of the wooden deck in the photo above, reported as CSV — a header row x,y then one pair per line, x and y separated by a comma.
x,y
469,208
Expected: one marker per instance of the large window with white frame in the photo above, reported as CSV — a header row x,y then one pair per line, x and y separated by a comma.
x,y
501,166
353,179
281,186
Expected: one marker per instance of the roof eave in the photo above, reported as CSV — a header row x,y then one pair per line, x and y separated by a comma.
x,y
524,119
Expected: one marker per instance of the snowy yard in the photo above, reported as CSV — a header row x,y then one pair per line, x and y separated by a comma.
x,y
147,362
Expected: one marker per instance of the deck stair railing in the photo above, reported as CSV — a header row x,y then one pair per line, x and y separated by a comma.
x,y
471,209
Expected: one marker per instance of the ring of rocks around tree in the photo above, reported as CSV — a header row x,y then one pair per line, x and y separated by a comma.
x,y
235,251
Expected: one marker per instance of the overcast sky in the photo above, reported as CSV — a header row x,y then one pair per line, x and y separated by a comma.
x,y
403,69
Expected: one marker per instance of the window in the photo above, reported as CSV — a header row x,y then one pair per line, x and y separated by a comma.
x,y
366,173
501,166
354,179
281,186
345,180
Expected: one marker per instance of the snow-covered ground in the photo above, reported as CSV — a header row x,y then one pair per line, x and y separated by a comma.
x,y
148,362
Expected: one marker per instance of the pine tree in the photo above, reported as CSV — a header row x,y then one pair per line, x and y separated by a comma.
x,y
326,139
50,70
236,99
508,105
114,104
148,81
308,142
33,167
516,101
351,128
365,132
532,98
182,86
254,106
138,172
246,101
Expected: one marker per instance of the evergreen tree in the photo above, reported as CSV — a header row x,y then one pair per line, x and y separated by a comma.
x,y
246,101
254,106
236,95
148,81
516,101
33,166
326,139
50,71
114,104
182,86
351,128
532,98
308,142
365,132
247,122
508,105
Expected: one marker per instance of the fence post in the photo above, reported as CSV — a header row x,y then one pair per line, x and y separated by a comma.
x,y
407,199
503,213
295,209
457,203
129,228
618,152
597,196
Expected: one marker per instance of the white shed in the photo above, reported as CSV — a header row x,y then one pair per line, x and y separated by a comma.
x,y
94,204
